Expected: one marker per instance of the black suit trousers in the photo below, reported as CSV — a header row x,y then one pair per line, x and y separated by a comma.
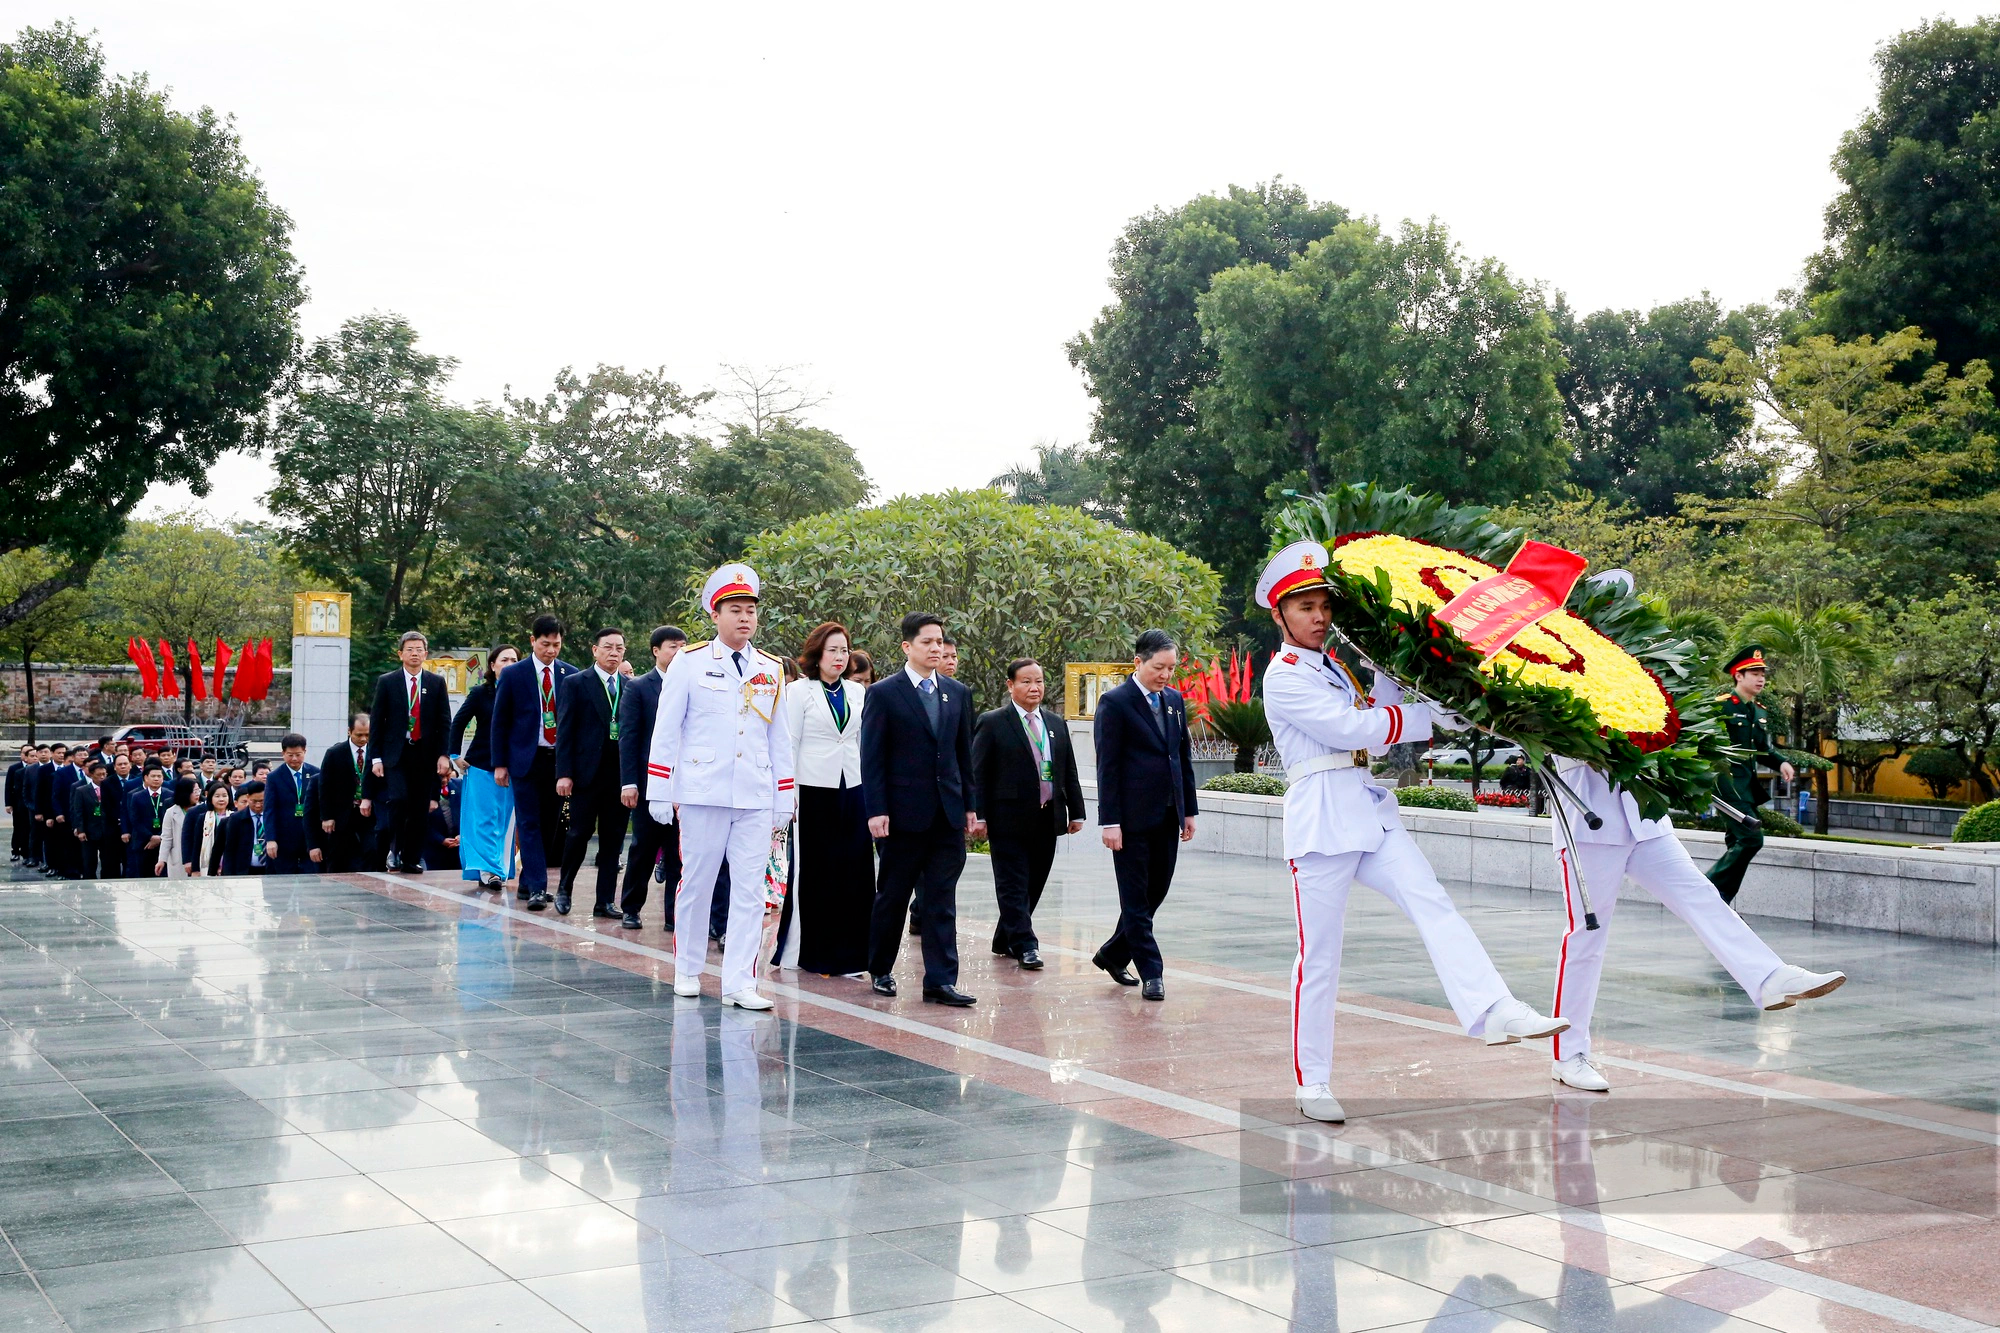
x,y
347,846
1023,845
406,822
928,863
1145,868
538,819
649,839
596,808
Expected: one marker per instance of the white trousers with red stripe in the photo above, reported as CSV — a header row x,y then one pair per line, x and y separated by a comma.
x,y
1663,868
1399,872
709,833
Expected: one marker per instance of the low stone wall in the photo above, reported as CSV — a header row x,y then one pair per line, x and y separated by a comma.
x,y
1950,893
1925,821
107,697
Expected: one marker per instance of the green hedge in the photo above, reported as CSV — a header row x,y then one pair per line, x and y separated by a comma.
x,y
1435,798
1981,824
1775,824
1246,784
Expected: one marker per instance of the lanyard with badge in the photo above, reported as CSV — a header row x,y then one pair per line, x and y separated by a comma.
x,y
611,698
299,794
548,700
1038,743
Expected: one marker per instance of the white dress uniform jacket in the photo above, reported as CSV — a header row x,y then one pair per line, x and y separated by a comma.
x,y
712,744
821,755
1614,805
1314,710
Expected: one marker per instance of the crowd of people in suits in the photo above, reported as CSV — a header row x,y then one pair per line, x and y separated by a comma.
x,y
881,785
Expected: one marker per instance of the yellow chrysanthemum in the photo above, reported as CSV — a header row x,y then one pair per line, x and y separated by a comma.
x,y
1558,650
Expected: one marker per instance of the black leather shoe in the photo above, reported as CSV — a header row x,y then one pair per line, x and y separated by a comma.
x,y
950,995
1031,960
537,901
405,868
1154,989
885,985
631,921
1118,974
562,903
599,909
489,880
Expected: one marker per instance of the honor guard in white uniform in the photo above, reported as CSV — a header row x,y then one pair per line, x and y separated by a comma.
x,y
1648,851
1341,828
721,761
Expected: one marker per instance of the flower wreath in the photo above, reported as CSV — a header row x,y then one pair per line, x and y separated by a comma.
x,y
1602,680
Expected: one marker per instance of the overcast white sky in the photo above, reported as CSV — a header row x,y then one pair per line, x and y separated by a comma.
x,y
918,201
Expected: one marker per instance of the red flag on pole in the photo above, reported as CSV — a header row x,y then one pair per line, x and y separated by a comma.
x,y
246,671
221,665
169,679
139,660
196,681
149,669
265,671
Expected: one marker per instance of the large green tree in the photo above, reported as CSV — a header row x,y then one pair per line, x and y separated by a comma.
x,y
771,473
147,297
1145,362
584,511
181,577
54,628
1063,474
368,454
1942,684
1914,235
1388,358
1823,659
1638,431
1010,580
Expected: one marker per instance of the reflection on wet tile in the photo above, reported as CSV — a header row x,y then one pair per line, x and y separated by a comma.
x,y
851,1275
685,1291
716,1221
225,1165
481,1189
168,1291
503,1308
367,1265
398,1147
85,1231
24,1308
1149,1300
1166,1232
1014,1253
305,1208
1587,1306
1469,1267
370,1108
269,1081
560,1240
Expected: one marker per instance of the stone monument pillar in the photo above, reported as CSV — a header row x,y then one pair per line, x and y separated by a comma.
x,y
321,624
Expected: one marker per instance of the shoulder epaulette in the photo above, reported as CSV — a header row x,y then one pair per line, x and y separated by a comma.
x,y
1725,696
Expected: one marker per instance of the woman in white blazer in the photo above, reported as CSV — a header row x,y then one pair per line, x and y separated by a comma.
x,y
169,862
825,924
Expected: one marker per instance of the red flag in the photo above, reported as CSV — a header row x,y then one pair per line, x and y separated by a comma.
x,y
1550,568
246,671
196,681
265,672
149,670
139,662
169,679
221,665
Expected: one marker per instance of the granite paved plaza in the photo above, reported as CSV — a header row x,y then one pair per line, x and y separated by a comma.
x,y
373,1104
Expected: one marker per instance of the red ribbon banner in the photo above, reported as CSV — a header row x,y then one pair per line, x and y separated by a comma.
x,y
1493,612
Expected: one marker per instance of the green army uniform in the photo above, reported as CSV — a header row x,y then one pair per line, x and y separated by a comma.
x,y
1749,727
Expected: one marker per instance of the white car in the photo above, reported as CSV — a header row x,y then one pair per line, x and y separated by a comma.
x,y
1456,754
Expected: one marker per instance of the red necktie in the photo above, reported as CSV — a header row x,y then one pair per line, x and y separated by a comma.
x,y
416,719
548,708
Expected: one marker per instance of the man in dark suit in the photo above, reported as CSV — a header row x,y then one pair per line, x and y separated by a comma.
x,y
637,707
587,735
917,782
1029,792
410,723
524,753
346,811
15,809
94,823
66,858
139,830
244,835
34,787
1145,802
292,835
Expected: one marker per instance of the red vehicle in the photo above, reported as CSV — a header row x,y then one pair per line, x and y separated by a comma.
x,y
154,737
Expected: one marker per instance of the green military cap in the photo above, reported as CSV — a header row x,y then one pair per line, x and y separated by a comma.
x,y
1750,657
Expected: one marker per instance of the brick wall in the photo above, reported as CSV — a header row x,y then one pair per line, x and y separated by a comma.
x,y
109,696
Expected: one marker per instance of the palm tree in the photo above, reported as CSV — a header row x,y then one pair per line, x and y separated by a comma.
x,y
1063,474
1821,656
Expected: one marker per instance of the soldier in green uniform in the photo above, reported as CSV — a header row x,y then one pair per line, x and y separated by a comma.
x,y
1749,724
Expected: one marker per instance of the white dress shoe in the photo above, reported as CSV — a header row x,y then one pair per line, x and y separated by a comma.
x,y
1512,1020
748,999
1788,985
1317,1103
687,986
1578,1072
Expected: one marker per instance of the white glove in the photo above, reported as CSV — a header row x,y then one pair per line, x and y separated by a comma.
x,y
661,811
781,815
1443,719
